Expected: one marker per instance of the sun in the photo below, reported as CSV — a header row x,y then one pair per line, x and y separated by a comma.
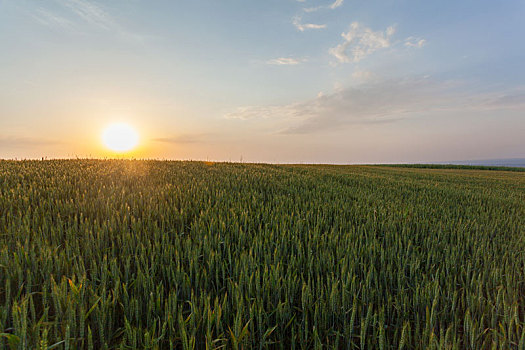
x,y
120,137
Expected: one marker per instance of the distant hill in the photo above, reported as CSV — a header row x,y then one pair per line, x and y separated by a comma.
x,y
456,166
508,162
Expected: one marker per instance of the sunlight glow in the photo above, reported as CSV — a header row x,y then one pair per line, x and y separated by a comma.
x,y
120,137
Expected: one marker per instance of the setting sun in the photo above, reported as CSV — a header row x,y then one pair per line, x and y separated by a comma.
x,y
120,137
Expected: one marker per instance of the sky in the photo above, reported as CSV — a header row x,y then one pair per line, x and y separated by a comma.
x,y
285,81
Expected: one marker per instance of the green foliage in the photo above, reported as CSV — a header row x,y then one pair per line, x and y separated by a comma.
x,y
456,166
190,255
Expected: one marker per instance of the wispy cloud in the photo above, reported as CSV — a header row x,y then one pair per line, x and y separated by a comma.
x,y
183,139
51,19
336,4
91,13
415,42
285,61
76,14
505,100
312,9
297,22
362,75
333,6
10,141
285,112
378,102
369,103
361,41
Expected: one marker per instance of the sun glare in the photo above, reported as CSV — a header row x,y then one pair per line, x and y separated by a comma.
x,y
120,137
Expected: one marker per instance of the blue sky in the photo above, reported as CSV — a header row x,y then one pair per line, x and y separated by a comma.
x,y
274,81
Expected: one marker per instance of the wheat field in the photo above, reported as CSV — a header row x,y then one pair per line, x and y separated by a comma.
x,y
118,254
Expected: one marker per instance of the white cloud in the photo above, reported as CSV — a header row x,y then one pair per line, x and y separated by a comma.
x,y
297,20
313,26
415,42
333,6
304,26
360,42
282,61
336,4
312,9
